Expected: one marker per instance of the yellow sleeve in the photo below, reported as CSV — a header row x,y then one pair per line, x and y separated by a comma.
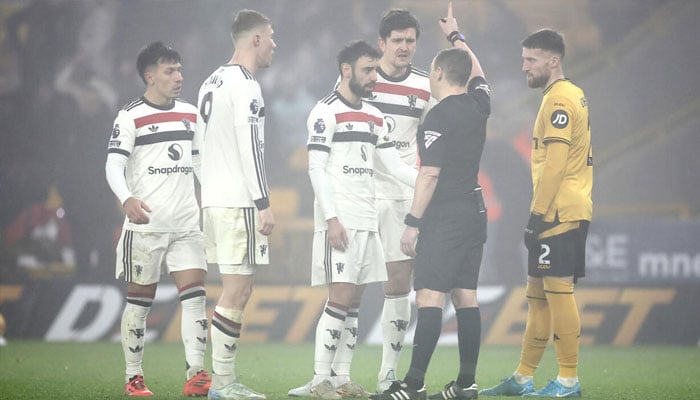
x,y
560,115
552,174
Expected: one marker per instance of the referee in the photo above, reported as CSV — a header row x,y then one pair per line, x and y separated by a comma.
x,y
448,217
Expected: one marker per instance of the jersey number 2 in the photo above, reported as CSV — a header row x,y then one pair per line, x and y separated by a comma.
x,y
544,260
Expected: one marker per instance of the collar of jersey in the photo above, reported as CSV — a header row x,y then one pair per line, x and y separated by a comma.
x,y
554,83
384,75
347,103
159,107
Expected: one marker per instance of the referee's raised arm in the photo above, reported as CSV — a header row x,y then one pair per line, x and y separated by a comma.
x,y
450,28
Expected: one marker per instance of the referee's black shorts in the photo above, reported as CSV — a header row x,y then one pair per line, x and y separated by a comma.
x,y
450,244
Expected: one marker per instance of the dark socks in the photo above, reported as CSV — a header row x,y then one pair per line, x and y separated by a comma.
x,y
469,337
428,328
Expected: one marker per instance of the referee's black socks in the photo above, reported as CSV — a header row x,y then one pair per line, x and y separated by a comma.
x,y
428,328
469,342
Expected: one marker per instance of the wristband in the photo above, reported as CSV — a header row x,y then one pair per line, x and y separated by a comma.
x,y
262,203
411,221
455,35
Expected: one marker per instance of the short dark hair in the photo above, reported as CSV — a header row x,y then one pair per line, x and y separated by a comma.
x,y
154,54
246,20
397,20
456,64
546,39
353,51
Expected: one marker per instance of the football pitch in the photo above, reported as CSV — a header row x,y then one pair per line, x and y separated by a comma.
x,y
39,370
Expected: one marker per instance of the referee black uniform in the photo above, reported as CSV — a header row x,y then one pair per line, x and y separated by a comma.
x,y
453,227
446,227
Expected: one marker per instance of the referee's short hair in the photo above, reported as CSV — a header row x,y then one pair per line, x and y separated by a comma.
x,y
154,54
456,64
245,21
546,39
353,51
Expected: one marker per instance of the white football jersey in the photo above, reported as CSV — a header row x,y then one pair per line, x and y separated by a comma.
x,y
157,142
350,135
404,101
230,139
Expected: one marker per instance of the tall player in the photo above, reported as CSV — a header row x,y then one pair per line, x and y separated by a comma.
x,y
560,213
230,139
402,93
149,168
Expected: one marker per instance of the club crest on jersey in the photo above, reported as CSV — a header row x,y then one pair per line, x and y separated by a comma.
x,y
319,126
363,153
430,138
412,99
115,131
371,125
254,106
390,123
175,152
560,119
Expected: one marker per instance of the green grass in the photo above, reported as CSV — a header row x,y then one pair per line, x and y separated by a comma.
x,y
38,370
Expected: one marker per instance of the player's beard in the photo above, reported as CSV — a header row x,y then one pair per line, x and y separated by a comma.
x,y
359,90
537,81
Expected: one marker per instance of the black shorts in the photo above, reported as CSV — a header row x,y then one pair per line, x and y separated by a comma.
x,y
560,255
451,244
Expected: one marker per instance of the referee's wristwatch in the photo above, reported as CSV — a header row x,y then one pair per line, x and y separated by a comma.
x,y
454,36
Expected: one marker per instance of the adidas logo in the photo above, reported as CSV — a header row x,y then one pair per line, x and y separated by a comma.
x,y
153,128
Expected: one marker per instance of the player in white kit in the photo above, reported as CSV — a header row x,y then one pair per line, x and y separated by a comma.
x,y
149,169
402,93
235,195
347,139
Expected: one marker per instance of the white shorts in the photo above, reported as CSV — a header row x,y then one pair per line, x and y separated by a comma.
x,y
231,237
238,269
390,216
361,263
143,256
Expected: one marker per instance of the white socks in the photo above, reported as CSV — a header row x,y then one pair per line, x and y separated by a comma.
x,y
396,316
133,329
193,327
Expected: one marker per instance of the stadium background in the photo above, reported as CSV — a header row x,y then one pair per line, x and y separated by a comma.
x,y
66,66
